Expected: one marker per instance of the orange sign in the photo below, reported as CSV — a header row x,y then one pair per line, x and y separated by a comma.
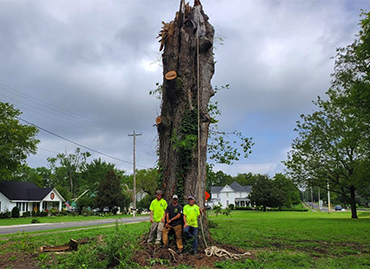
x,y
207,195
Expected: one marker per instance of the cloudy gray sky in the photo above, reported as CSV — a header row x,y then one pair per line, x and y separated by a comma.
x,y
83,70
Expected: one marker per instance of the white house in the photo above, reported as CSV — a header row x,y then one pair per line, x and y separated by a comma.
x,y
28,197
231,194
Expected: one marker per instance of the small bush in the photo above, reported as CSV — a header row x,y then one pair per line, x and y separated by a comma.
x,y
26,214
63,213
15,212
217,209
226,211
231,206
243,208
35,221
5,215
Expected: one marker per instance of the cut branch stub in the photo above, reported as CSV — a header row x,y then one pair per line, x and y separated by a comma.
x,y
171,75
158,120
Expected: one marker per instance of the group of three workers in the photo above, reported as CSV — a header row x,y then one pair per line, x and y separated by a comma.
x,y
163,218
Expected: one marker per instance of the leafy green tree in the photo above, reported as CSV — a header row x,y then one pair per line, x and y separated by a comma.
x,y
246,179
95,172
110,192
290,192
333,145
17,141
146,181
218,178
265,193
70,169
25,173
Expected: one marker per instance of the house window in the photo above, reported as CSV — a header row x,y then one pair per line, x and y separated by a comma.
x,y
227,194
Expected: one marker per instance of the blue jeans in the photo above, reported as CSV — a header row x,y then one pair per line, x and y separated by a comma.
x,y
192,232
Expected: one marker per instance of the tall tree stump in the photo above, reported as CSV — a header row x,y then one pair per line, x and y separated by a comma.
x,y
188,67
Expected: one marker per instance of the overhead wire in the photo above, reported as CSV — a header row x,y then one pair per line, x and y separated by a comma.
x,y
78,144
41,105
44,108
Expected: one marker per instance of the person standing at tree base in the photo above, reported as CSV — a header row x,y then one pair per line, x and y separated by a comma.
x,y
191,213
173,221
157,216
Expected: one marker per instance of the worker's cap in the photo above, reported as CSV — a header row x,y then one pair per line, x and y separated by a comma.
x,y
191,197
159,192
175,196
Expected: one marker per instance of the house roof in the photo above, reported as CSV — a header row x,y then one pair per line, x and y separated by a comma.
x,y
248,188
14,190
235,186
216,189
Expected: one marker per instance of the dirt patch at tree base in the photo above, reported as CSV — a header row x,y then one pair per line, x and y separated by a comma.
x,y
157,256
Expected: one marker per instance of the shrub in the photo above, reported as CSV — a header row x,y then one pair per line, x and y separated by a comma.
x,y
231,206
54,211
15,212
26,214
63,213
226,211
217,209
243,208
5,215
35,221
115,210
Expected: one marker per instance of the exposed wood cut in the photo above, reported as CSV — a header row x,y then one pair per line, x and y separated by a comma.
x,y
171,75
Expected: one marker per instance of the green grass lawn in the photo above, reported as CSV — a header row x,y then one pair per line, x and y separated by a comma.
x,y
18,221
275,239
297,240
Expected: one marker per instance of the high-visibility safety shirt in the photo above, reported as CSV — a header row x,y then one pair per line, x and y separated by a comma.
x,y
191,214
158,208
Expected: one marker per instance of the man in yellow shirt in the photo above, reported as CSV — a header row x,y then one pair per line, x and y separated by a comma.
x,y
191,213
157,216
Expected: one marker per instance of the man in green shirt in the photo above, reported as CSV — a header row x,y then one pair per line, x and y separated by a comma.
x,y
191,213
157,216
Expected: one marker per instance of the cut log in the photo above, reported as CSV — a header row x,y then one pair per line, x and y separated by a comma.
x,y
73,245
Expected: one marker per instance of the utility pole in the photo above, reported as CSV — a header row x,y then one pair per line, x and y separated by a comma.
x,y
329,207
318,195
134,196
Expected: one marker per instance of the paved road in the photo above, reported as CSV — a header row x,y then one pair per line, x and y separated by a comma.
x,y
62,225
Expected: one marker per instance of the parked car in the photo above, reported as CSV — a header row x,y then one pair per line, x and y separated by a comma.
x,y
338,208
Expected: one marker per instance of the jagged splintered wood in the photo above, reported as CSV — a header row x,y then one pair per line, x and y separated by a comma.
x,y
181,40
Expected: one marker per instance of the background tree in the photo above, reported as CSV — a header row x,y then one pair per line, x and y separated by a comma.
x,y
289,192
333,143
25,173
17,141
70,169
265,193
93,173
110,192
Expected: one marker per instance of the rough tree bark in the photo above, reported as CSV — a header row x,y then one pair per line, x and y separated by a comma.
x,y
188,67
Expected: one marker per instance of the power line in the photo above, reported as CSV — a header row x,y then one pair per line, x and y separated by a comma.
x,y
33,103
78,144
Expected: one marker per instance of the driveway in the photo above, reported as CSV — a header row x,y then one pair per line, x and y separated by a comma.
x,y
62,225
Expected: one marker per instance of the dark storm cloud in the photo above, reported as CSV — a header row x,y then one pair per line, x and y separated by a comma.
x,y
85,69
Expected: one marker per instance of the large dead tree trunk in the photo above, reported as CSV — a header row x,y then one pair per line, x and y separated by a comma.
x,y
188,67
